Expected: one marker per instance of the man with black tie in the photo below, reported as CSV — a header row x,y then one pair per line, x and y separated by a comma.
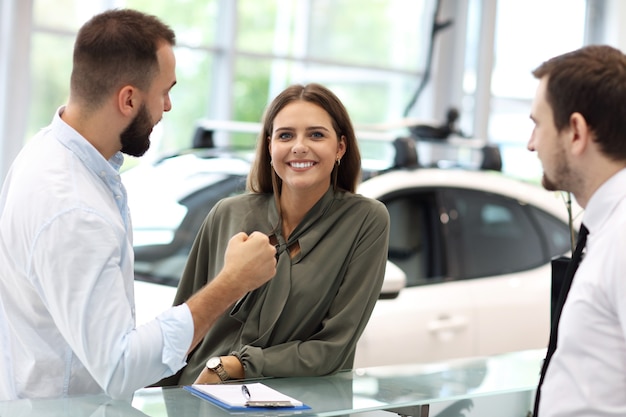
x,y
579,112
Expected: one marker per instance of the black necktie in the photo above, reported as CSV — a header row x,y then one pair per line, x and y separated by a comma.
x,y
554,330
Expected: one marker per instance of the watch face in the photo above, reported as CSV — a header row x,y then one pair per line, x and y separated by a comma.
x,y
213,362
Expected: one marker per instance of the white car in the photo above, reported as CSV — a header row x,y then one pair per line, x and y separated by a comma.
x,y
469,253
476,248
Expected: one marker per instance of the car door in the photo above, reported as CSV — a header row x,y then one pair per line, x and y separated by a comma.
x,y
432,319
503,248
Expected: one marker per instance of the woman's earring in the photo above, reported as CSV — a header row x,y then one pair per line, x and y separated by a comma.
x,y
338,161
271,163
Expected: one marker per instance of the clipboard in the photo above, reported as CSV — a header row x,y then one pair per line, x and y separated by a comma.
x,y
259,397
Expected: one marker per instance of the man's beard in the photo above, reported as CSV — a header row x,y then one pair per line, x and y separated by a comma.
x,y
548,184
136,137
561,178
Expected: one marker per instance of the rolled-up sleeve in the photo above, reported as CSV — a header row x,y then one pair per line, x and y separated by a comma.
x,y
177,329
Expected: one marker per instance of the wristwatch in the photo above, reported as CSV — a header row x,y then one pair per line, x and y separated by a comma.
x,y
215,364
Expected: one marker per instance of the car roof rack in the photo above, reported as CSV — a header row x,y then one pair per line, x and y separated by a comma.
x,y
446,146
412,152
442,146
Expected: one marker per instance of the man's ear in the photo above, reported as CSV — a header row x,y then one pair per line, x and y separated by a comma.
x,y
581,133
127,100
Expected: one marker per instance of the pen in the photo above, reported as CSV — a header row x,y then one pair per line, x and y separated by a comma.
x,y
246,392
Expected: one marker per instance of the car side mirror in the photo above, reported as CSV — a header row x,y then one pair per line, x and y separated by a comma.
x,y
394,282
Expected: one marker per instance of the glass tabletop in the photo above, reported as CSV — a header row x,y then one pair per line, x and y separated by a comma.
x,y
403,389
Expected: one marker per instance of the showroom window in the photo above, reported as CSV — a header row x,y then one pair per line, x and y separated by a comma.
x,y
233,56
526,34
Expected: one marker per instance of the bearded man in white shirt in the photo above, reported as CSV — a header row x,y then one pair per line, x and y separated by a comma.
x,y
67,315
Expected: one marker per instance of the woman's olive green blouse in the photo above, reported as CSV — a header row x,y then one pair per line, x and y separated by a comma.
x,y
307,319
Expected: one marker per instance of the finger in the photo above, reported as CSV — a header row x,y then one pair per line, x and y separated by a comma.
x,y
240,237
259,236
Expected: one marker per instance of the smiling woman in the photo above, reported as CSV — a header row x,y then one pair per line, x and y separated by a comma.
x,y
331,249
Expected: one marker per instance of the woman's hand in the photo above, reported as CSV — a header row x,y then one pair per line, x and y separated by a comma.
x,y
232,366
207,377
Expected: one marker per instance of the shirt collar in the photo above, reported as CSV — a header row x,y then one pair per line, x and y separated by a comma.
x,y
84,150
604,201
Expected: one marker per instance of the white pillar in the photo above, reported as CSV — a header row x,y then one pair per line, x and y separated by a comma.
x,y
223,71
484,71
15,35
614,31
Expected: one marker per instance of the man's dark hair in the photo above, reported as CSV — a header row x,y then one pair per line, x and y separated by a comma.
x,y
591,81
116,48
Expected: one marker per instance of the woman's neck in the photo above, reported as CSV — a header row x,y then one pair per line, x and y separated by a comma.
x,y
294,207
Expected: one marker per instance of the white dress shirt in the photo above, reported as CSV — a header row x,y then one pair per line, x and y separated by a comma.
x,y
587,374
66,279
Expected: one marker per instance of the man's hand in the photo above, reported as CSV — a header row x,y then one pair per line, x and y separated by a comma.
x,y
249,260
